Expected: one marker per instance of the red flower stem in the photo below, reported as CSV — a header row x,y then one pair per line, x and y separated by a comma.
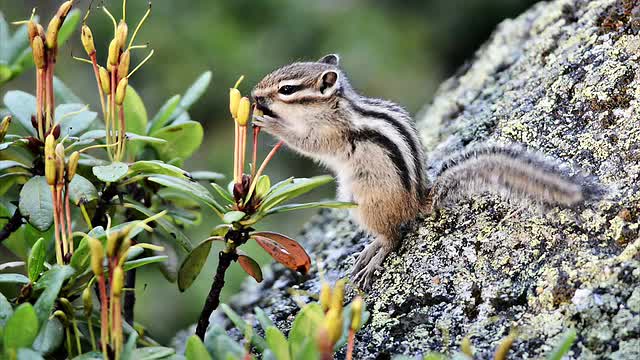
x,y
256,132
63,229
236,153
104,316
56,225
39,96
350,344
270,156
123,129
96,72
49,91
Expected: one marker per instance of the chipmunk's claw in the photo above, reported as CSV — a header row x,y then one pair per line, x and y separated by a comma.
x,y
369,261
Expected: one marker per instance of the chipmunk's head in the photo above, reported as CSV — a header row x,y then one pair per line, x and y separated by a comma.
x,y
299,96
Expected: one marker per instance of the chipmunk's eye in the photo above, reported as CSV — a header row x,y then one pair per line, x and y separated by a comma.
x,y
289,89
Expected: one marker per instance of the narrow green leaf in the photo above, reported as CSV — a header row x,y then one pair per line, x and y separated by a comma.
x,y
243,326
9,164
193,189
262,317
220,345
93,355
28,354
311,205
36,203
50,337
295,189
263,186
22,327
36,259
13,279
135,112
129,347
152,353
158,168
192,265
206,175
233,216
81,257
182,140
82,190
4,40
112,172
131,137
277,343
308,350
164,114
22,105
223,193
196,350
51,281
195,91
74,119
69,26
564,346
166,225
144,261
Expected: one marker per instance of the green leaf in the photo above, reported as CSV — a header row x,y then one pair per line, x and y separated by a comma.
x,y
82,190
311,205
51,281
112,172
36,260
195,91
164,114
131,137
28,354
129,347
309,350
63,94
9,164
22,327
243,326
4,39
193,189
233,216
69,26
144,261
251,267
74,119
182,140
93,355
152,353
22,105
263,186
36,203
135,112
277,343
81,257
158,168
564,346
223,193
262,317
50,337
175,233
206,175
5,311
196,350
192,265
296,188
305,325
220,345
13,279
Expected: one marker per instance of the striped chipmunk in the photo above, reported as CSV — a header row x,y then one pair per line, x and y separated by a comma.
x,y
374,150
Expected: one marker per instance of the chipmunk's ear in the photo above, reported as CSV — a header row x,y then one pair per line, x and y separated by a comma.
x,y
331,59
328,81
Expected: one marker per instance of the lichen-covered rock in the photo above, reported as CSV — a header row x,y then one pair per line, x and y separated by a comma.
x,y
561,79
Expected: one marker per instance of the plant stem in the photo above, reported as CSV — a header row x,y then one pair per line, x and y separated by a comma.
x,y
68,216
12,225
104,316
254,180
254,160
104,203
56,225
350,343
213,299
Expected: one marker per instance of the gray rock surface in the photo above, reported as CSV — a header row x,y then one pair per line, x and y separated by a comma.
x,y
561,79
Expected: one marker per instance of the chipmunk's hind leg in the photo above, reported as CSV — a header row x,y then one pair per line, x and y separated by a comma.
x,y
370,260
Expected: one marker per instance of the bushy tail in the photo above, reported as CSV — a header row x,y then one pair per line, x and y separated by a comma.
x,y
512,172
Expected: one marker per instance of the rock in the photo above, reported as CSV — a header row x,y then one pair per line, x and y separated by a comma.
x,y
561,79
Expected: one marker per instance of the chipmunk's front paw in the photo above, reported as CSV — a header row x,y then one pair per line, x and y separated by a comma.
x,y
266,122
369,260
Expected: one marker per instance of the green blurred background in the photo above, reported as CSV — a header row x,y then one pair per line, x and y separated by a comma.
x,y
399,50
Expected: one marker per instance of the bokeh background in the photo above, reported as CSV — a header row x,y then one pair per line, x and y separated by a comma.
x,y
399,50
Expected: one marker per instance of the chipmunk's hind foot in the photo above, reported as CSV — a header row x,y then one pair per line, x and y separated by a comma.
x,y
369,260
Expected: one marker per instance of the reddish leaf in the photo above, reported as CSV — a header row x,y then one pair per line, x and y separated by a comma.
x,y
251,267
284,250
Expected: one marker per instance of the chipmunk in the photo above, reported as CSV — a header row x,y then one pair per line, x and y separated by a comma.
x,y
374,150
